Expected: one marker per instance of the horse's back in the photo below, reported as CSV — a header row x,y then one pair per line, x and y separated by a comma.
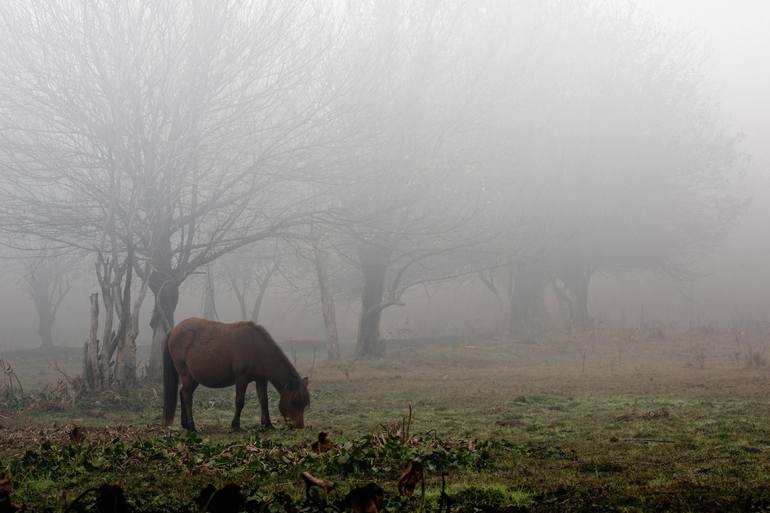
x,y
211,352
210,333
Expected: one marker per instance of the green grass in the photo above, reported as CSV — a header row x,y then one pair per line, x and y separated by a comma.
x,y
512,427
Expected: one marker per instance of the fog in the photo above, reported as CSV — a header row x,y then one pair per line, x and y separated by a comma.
x,y
409,169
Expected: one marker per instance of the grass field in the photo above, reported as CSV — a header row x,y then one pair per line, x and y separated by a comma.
x,y
618,423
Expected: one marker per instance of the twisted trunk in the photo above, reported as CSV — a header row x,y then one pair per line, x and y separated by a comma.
x,y
209,297
374,266
125,359
91,377
162,320
263,284
578,281
45,328
164,284
327,304
47,287
527,299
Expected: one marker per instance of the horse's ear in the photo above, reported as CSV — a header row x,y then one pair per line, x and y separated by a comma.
x,y
304,381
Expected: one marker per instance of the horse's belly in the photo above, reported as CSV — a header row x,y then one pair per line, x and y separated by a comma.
x,y
211,372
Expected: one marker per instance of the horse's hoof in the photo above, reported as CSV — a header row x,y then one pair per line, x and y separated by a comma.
x,y
268,426
235,429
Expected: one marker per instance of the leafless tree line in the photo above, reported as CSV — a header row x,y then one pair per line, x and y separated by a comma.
x,y
526,144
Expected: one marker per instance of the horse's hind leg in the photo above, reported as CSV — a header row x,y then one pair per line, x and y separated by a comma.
x,y
264,411
182,409
240,399
185,397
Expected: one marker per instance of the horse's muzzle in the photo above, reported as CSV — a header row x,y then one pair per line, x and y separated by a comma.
x,y
295,423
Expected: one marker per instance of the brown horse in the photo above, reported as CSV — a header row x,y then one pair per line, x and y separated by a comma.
x,y
217,355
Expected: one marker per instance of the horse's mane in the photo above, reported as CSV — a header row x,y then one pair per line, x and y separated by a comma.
x,y
261,331
299,392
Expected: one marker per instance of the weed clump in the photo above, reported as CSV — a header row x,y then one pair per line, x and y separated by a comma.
x,y
477,499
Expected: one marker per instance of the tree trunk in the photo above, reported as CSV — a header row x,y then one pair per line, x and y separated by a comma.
x,y
164,285
500,284
565,299
124,375
161,322
209,297
527,300
374,266
262,284
241,297
45,329
579,283
575,273
327,304
125,362
42,287
91,377
108,342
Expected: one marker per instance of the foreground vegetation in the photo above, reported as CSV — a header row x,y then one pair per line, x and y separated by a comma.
x,y
496,426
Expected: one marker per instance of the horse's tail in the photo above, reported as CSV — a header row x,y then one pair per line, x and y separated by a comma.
x,y
170,385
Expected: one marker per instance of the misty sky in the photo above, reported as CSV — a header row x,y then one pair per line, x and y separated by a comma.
x,y
735,38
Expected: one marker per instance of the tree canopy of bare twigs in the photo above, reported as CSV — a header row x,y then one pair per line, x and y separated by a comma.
x,y
532,144
174,128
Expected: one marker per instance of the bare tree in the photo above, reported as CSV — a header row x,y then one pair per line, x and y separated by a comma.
x,y
326,295
200,111
620,161
249,274
409,142
48,279
412,189
112,361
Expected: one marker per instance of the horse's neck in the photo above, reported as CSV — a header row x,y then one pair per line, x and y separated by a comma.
x,y
282,371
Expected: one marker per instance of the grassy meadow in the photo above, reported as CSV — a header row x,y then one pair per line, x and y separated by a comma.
x,y
612,422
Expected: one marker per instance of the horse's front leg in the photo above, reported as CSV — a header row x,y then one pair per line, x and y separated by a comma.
x,y
240,399
264,411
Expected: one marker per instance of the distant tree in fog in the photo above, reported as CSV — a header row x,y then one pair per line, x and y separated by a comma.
x,y
321,257
409,190
610,155
49,280
208,299
533,144
249,274
188,118
304,267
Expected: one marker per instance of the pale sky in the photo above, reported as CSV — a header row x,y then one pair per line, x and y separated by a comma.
x,y
737,40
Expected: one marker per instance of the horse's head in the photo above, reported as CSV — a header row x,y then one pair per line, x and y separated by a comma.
x,y
294,399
